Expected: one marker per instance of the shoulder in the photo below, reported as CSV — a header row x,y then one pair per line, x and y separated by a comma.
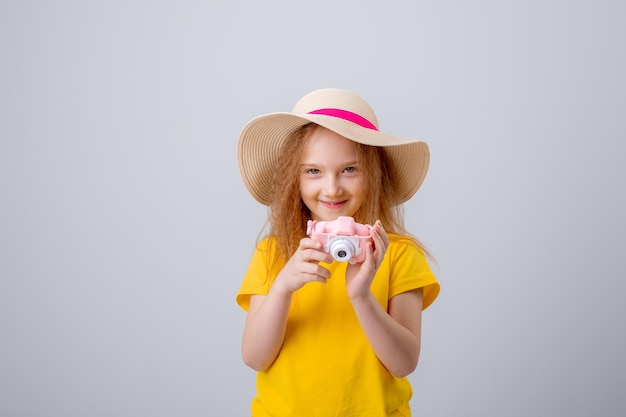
x,y
402,245
409,268
258,277
266,243
401,239
265,248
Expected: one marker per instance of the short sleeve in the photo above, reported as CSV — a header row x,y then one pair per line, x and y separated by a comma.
x,y
410,270
260,274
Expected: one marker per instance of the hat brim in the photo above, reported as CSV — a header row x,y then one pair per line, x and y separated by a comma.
x,y
261,140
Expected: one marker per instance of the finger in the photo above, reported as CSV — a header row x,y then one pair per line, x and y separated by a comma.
x,y
316,255
312,277
314,269
379,248
380,230
370,253
379,242
308,243
317,278
311,250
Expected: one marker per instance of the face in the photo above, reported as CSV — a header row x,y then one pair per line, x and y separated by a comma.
x,y
331,177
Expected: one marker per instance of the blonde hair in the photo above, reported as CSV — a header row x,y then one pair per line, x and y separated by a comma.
x,y
288,215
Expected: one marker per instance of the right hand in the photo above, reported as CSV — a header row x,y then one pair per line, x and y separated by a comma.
x,y
304,266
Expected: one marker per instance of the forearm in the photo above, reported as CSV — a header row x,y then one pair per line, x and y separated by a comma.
x,y
396,346
265,327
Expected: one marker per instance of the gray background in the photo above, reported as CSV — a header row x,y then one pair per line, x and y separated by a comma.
x,y
125,229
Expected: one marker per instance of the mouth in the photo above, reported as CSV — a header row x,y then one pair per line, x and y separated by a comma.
x,y
333,205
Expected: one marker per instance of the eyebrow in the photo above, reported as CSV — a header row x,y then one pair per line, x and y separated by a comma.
x,y
345,164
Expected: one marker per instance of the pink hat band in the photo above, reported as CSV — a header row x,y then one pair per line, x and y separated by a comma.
x,y
343,112
346,115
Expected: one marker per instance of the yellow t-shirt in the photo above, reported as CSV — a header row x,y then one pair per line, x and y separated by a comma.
x,y
326,366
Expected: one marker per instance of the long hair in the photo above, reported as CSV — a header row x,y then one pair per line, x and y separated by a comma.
x,y
288,215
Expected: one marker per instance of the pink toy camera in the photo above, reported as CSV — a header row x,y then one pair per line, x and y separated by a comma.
x,y
343,238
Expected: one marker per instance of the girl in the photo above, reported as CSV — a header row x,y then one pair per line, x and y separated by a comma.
x,y
331,338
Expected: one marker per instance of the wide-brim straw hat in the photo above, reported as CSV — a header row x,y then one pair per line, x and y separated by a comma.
x,y
341,111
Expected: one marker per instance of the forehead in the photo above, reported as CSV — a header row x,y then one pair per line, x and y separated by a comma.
x,y
326,145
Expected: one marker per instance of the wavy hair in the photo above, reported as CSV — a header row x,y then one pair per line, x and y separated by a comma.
x,y
288,215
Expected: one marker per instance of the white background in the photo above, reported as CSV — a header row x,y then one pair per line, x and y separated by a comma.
x,y
125,229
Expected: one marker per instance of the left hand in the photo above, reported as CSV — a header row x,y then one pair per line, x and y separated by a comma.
x,y
359,276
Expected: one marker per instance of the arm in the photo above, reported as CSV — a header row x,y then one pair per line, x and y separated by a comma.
x,y
265,326
395,335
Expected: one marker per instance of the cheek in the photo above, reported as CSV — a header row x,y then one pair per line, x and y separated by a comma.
x,y
305,189
361,187
359,192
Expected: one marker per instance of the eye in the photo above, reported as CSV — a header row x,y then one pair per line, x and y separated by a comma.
x,y
313,171
350,170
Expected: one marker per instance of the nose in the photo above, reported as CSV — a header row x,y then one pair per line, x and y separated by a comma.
x,y
332,186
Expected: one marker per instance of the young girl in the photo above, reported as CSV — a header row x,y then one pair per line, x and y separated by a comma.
x,y
332,338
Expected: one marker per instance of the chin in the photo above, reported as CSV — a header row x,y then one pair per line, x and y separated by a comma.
x,y
330,216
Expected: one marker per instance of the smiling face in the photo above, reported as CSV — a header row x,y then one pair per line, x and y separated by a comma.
x,y
331,176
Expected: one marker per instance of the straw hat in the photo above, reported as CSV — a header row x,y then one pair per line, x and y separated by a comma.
x,y
342,112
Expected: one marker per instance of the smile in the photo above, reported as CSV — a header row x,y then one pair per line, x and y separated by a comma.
x,y
333,205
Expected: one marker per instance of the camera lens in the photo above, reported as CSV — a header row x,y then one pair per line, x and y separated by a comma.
x,y
341,249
